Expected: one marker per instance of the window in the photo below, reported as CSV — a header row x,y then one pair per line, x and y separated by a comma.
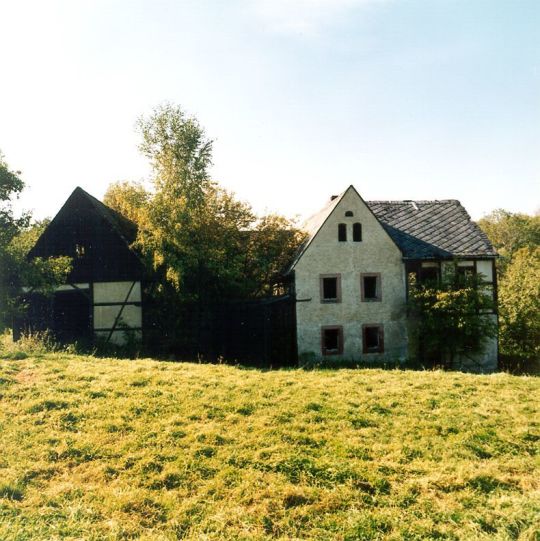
x,y
342,232
357,232
349,213
80,250
373,338
370,284
332,340
429,274
330,286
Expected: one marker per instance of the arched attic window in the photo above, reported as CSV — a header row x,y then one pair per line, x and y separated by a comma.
x,y
357,232
342,232
349,213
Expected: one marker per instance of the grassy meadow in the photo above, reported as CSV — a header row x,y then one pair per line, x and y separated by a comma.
x,y
115,449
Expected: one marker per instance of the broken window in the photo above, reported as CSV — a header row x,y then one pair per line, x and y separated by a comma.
x,y
357,232
371,287
342,232
332,340
330,285
373,338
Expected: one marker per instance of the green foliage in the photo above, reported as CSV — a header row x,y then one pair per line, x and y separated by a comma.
x,y
17,236
519,305
128,198
517,239
109,449
509,232
449,317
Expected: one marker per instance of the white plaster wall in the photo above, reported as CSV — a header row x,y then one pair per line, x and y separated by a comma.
x,y
105,316
116,292
120,337
377,253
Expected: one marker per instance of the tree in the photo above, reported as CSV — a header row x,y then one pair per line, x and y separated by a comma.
x,y
509,232
449,317
17,236
519,305
128,198
204,244
517,239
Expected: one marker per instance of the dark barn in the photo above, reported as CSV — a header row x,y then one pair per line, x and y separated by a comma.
x,y
102,297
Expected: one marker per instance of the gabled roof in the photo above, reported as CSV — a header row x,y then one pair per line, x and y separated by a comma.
x,y
124,227
432,229
420,229
311,226
106,236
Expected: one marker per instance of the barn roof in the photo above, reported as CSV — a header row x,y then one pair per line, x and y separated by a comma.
x,y
124,227
105,236
420,229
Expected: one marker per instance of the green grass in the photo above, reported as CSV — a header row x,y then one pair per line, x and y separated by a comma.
x,y
111,449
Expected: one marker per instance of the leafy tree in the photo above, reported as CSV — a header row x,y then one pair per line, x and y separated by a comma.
x,y
517,239
17,236
509,232
449,317
519,305
128,198
205,245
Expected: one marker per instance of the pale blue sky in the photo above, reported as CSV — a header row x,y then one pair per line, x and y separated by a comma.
x,y
429,99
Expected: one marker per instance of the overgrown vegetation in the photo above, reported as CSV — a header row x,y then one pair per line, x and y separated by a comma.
x,y
111,449
205,245
17,236
450,317
517,239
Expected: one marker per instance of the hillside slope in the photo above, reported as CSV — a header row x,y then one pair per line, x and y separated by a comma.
x,y
112,449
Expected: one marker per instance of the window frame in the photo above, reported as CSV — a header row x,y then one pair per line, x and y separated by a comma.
x,y
380,347
338,288
339,328
378,286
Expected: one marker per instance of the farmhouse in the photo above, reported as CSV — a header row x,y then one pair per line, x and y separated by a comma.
x,y
102,296
345,293
351,275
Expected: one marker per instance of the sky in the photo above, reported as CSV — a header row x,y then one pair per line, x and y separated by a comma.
x,y
404,99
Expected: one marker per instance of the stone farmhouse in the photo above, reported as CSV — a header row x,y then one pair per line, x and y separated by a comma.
x,y
345,291
350,276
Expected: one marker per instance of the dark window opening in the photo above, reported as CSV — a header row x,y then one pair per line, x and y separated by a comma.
x,y
357,232
332,340
349,213
429,274
330,288
373,339
342,232
371,287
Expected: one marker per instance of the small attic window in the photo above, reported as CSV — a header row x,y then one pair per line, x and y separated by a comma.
x,y
349,213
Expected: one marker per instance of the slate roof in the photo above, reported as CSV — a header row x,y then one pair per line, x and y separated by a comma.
x,y
421,229
432,229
